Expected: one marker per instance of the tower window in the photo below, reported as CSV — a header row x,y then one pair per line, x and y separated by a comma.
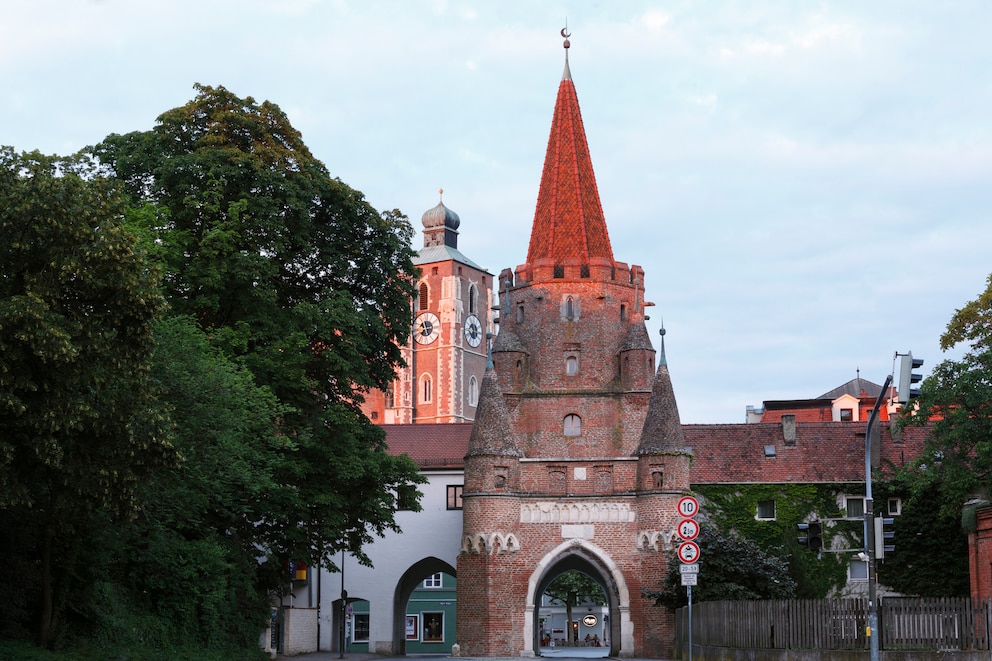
x,y
572,425
569,309
571,366
473,392
425,390
584,271
559,271
520,314
423,296
623,312
472,296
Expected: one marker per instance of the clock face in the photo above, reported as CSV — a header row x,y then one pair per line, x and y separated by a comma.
x,y
426,328
473,330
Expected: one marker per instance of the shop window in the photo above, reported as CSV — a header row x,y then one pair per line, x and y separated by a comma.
x,y
433,631
360,627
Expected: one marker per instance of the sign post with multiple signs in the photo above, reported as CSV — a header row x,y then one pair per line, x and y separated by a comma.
x,y
688,551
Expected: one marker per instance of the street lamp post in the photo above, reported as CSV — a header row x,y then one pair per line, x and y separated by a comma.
x,y
870,528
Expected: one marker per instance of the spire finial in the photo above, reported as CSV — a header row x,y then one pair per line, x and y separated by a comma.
x,y
440,193
565,35
662,359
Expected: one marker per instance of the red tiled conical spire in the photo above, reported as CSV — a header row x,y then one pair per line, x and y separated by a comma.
x,y
569,222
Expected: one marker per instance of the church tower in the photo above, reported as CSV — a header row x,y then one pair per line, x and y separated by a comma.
x,y
446,356
576,459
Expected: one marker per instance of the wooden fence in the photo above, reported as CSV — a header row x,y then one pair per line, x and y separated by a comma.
x,y
837,624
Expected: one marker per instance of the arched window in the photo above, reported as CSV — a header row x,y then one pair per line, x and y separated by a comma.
x,y
573,425
423,296
426,390
569,308
571,366
623,312
473,392
520,314
473,295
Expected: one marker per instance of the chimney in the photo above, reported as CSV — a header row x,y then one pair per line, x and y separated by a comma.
x,y
789,428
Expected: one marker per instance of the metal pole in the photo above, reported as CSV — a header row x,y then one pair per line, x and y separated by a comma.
x,y
870,529
689,592
344,611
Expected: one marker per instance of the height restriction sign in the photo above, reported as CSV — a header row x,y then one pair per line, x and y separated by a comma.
x,y
688,507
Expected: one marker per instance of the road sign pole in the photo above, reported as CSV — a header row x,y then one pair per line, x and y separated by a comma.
x,y
688,590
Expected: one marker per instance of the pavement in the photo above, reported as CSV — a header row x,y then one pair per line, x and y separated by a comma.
x,y
558,654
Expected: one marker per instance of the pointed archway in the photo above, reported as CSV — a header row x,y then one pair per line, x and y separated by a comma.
x,y
411,578
583,556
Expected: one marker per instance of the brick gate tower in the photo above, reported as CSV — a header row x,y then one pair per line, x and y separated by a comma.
x,y
577,459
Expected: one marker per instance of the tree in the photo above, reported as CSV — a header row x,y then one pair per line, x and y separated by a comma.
x,y
956,402
294,275
731,568
574,588
79,428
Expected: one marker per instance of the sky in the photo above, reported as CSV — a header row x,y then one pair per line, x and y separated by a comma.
x,y
806,184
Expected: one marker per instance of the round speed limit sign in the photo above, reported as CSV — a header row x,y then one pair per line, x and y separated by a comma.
x,y
688,529
688,507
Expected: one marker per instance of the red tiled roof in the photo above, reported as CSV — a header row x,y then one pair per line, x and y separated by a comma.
x,y
823,452
432,447
568,224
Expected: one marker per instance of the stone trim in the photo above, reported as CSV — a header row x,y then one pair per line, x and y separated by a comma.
x,y
582,512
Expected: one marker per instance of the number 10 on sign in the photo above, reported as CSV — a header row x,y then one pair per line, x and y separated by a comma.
x,y
688,507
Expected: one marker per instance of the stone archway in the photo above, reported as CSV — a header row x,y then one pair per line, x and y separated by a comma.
x,y
408,582
581,555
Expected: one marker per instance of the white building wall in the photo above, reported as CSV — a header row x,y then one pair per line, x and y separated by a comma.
x,y
433,532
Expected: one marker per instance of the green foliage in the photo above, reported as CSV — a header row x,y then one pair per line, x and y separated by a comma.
x,y
293,275
734,508
931,549
79,425
574,588
731,568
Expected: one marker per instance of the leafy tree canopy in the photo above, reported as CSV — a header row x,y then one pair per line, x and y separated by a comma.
x,y
956,401
294,275
79,425
731,568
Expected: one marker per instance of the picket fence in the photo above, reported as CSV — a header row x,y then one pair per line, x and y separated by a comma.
x,y
837,624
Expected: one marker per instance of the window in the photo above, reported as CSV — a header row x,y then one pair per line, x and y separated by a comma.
x,y
766,510
520,314
473,392
425,390
894,506
390,397
423,296
433,631
434,581
571,366
375,415
472,296
573,425
569,308
858,570
455,496
360,627
623,312
846,415
855,508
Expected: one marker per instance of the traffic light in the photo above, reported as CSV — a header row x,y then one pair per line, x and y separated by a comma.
x,y
814,536
810,535
883,537
907,378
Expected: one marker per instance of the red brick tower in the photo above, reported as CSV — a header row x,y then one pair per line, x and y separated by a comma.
x,y
446,355
576,459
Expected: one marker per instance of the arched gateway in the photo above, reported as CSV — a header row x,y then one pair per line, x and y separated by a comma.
x,y
576,458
